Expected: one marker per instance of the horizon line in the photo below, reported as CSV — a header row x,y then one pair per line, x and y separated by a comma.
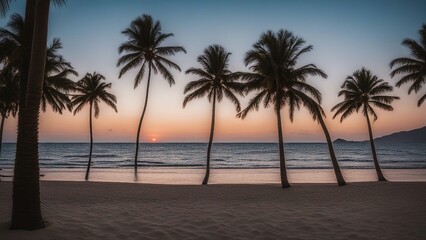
x,y
125,142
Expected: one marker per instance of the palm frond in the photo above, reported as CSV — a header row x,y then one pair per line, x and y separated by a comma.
x,y
253,104
421,100
230,95
196,84
200,92
165,73
381,105
413,68
170,50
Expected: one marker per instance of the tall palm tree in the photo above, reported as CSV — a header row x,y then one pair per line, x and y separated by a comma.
x,y
214,80
26,211
413,68
277,81
144,50
9,100
92,90
362,91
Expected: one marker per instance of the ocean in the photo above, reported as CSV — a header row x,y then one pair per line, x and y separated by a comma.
x,y
224,155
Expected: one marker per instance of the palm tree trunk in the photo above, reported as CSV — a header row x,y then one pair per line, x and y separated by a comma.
x,y
141,119
283,171
373,149
24,69
26,54
26,210
1,132
209,148
25,63
337,172
91,142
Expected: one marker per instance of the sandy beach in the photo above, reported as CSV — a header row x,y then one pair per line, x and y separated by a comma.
x,y
94,210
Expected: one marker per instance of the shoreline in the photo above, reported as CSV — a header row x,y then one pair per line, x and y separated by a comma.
x,y
194,176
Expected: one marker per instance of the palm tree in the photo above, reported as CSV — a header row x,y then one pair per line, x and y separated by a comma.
x,y
277,81
92,90
362,91
9,100
26,210
143,50
413,68
214,80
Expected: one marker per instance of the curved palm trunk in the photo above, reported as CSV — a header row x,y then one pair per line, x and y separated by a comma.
x,y
26,211
337,172
91,143
283,170
209,148
141,119
1,132
373,149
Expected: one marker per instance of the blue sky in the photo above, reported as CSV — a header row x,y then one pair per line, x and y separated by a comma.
x,y
346,35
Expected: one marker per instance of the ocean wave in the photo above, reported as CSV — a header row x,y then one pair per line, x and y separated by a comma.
x,y
224,155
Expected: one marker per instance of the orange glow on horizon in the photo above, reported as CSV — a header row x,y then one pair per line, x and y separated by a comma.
x,y
192,124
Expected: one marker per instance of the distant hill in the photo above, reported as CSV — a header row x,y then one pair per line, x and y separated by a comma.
x,y
341,140
412,136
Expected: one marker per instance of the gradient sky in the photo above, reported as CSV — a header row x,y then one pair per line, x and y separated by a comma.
x,y
346,36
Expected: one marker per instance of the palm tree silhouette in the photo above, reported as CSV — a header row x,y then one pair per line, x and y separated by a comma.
x,y
92,90
143,50
413,68
277,81
26,210
9,100
56,82
362,91
215,81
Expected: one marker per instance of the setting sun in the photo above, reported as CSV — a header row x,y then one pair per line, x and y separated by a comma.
x,y
153,139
